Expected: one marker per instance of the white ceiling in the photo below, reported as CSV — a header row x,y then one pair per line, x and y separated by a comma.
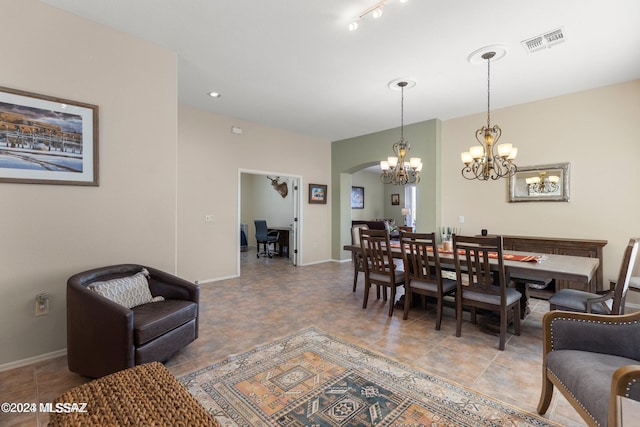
x,y
293,64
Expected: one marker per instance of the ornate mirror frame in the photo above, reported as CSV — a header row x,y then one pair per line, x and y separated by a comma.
x,y
518,188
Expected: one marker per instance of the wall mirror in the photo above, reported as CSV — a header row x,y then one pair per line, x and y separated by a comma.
x,y
546,183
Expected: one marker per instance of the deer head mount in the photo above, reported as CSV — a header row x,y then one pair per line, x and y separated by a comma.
x,y
280,187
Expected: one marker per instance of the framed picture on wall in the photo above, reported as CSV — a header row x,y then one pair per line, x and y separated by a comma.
x,y
395,199
47,140
357,197
317,194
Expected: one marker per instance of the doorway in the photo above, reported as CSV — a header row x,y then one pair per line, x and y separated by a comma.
x,y
411,203
274,197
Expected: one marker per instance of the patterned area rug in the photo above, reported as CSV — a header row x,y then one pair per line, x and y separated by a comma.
x,y
314,379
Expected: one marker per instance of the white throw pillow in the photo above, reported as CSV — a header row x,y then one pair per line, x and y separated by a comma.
x,y
128,291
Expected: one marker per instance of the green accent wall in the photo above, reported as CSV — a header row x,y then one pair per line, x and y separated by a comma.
x,y
353,154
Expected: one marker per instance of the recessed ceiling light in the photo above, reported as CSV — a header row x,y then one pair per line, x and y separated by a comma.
x,y
214,94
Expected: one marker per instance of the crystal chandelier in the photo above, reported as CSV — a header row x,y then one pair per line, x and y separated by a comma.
x,y
396,170
489,160
542,184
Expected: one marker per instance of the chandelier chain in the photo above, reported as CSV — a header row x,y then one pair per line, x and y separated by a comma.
x,y
402,110
489,93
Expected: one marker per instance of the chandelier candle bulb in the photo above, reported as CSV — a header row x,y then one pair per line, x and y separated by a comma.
x,y
477,151
504,150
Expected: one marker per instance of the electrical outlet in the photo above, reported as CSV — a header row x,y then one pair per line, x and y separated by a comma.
x,y
42,304
461,219
209,218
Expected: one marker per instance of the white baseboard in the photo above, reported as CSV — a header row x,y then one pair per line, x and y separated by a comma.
x,y
30,360
306,264
634,307
217,279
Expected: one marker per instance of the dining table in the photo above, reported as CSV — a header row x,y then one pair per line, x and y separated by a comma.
x,y
531,265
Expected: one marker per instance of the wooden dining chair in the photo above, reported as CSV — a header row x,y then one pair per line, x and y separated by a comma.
x,y
422,274
356,257
379,268
479,285
611,302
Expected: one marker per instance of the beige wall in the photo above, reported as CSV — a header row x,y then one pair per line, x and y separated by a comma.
x,y
596,131
49,232
210,159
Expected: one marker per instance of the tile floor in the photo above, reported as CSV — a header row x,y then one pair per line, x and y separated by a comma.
x,y
272,299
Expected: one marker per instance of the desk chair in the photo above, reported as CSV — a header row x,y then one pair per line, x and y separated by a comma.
x,y
266,237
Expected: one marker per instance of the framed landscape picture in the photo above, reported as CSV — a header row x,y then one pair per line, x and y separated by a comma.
x,y
47,140
317,194
357,197
395,199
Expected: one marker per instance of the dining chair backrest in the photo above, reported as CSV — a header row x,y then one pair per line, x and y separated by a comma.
x,y
624,277
420,256
376,251
355,233
472,257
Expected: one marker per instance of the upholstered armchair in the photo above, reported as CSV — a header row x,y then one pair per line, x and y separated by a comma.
x,y
591,359
125,315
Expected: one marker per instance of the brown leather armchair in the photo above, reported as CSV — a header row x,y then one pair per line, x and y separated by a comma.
x,y
104,337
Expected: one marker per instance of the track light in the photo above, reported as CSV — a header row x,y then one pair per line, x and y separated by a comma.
x,y
375,11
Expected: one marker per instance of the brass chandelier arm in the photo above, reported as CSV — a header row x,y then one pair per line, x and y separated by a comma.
x,y
490,168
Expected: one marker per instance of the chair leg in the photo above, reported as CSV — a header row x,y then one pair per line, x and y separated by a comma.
x,y
407,303
355,274
516,318
503,328
367,285
458,315
545,394
438,313
392,300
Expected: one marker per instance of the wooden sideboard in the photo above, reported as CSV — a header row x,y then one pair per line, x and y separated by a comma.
x,y
551,245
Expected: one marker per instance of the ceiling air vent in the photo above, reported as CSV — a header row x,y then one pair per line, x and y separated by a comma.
x,y
544,41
